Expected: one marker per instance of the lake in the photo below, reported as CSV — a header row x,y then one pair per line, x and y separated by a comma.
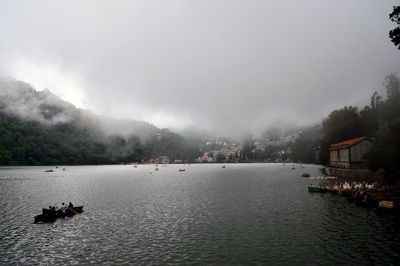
x,y
241,214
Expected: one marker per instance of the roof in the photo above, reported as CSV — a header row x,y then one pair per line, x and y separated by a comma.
x,y
347,143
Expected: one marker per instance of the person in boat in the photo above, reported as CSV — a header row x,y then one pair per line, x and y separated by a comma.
x,y
49,214
70,205
63,208
46,213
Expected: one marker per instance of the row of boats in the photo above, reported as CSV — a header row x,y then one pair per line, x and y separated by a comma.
x,y
365,195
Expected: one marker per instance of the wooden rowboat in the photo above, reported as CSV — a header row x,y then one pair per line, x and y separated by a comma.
x,y
49,216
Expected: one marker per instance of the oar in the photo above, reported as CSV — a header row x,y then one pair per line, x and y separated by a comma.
x,y
73,210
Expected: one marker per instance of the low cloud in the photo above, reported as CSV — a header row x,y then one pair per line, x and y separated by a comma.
x,y
232,67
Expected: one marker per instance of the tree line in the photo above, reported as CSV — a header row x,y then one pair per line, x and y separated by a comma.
x,y
380,121
25,142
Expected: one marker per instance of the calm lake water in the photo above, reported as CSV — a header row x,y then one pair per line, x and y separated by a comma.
x,y
243,214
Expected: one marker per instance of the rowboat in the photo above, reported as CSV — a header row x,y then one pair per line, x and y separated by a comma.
x,y
49,216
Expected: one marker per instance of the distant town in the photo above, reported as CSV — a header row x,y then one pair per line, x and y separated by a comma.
x,y
276,149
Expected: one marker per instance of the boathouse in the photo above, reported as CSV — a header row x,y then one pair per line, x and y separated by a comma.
x,y
349,153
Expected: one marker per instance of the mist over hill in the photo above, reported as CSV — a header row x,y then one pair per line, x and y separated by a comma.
x,y
19,99
37,127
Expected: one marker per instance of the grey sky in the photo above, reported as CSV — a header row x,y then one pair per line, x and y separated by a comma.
x,y
232,66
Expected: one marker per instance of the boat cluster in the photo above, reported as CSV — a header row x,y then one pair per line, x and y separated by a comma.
x,y
322,177
362,193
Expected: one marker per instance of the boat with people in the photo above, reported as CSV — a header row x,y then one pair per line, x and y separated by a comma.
x,y
53,213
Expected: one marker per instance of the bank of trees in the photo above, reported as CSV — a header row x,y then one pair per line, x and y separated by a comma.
x,y
394,34
380,121
33,143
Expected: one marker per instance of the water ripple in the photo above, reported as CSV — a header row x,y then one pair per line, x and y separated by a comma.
x,y
244,214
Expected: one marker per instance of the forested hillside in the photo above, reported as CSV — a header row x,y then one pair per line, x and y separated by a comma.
x,y
37,128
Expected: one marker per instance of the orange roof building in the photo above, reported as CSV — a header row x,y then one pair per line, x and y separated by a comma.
x,y
349,153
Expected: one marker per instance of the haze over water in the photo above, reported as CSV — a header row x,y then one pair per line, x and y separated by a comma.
x,y
246,213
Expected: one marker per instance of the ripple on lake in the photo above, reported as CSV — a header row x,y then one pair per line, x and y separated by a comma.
x,y
248,213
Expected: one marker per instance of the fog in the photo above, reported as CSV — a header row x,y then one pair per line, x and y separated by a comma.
x,y
232,67
21,100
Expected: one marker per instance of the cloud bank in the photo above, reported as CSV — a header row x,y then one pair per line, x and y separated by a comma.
x,y
227,66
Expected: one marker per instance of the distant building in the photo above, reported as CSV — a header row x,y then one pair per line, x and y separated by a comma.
x,y
349,153
164,160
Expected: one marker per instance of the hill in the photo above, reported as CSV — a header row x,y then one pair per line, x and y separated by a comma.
x,y
37,127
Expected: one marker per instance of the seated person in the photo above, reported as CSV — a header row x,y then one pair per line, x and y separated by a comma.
x,y
63,208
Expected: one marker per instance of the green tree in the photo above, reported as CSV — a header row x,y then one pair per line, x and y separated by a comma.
x,y
394,34
385,151
340,125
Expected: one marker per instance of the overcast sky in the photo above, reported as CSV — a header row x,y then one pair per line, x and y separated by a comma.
x,y
227,65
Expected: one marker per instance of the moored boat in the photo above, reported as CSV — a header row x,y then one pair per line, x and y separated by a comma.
x,y
386,205
344,191
316,189
331,188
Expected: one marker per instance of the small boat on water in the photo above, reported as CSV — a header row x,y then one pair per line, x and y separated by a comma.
x,y
316,189
49,171
386,205
223,166
49,216
332,188
182,170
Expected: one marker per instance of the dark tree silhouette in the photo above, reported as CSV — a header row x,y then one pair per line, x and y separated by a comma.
x,y
395,33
